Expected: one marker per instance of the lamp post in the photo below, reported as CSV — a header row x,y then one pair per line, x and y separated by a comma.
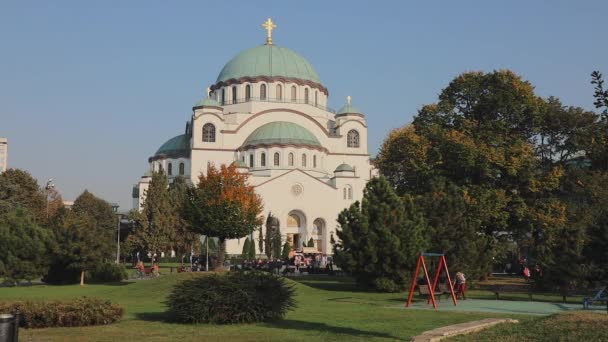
x,y
48,187
115,210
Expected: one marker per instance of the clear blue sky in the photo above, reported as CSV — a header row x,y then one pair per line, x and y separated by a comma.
x,y
89,90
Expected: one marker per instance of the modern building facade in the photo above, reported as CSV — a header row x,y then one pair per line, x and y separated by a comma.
x,y
267,112
3,154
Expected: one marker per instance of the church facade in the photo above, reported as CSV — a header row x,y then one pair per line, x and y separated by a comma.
x,y
267,113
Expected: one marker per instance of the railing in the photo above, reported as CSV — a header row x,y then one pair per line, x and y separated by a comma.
x,y
267,99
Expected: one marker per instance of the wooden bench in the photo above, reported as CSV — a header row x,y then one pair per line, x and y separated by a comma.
x,y
498,289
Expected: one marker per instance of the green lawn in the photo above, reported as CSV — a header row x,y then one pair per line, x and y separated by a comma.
x,y
569,326
329,309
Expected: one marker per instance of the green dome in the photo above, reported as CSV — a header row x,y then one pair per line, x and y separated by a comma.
x,y
175,145
344,167
208,101
349,109
269,60
281,132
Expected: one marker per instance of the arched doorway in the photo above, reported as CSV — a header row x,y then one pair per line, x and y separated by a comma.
x,y
318,233
296,221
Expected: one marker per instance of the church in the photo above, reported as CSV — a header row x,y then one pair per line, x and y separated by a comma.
x,y
268,113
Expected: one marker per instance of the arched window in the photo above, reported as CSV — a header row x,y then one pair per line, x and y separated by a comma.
x,y
314,161
234,93
277,159
223,96
306,95
181,169
279,92
303,160
169,169
263,159
344,192
293,93
247,92
263,92
350,192
316,98
208,132
352,138
290,159
251,160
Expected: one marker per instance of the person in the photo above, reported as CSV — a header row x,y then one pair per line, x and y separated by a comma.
x,y
526,273
140,268
461,285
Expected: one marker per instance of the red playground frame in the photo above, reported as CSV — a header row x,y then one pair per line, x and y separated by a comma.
x,y
443,265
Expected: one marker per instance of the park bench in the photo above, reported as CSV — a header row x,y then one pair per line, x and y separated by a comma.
x,y
498,289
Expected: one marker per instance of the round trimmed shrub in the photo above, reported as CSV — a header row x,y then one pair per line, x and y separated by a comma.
x,y
232,297
74,313
108,272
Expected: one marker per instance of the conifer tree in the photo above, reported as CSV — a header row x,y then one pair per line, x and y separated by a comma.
x,y
245,252
286,251
154,226
311,242
276,243
251,252
184,239
380,239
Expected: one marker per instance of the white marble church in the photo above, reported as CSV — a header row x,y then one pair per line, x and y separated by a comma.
x,y
267,113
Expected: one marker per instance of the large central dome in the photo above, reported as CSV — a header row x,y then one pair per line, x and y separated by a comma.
x,y
270,61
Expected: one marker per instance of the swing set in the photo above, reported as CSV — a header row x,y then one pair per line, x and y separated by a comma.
x,y
432,287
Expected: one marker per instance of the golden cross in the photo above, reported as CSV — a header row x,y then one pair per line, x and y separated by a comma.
x,y
208,91
348,99
269,26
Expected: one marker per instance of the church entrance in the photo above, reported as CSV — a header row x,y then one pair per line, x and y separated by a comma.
x,y
294,240
318,232
295,221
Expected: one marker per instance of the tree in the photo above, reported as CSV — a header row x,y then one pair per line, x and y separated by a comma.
x,y
311,242
246,249
286,251
183,239
223,205
272,225
80,247
601,95
251,252
155,226
19,189
380,238
24,247
276,242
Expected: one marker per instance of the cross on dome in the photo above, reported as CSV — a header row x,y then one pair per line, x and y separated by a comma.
x,y
269,26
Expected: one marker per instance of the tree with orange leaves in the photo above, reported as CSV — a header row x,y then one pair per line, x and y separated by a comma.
x,y
224,206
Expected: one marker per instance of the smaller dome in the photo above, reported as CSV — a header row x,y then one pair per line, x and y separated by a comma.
x,y
176,145
344,167
240,164
281,132
349,109
208,101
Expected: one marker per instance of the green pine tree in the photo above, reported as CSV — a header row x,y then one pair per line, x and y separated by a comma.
x,y
380,239
286,251
251,252
311,243
245,252
276,244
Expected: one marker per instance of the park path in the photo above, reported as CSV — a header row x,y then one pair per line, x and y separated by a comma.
x,y
459,329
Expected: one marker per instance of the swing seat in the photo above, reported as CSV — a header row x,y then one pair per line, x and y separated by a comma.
x,y
424,291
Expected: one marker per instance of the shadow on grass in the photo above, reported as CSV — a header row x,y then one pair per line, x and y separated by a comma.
x,y
153,317
291,324
329,283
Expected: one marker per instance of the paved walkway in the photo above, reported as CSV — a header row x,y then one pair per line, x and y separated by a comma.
x,y
459,329
501,306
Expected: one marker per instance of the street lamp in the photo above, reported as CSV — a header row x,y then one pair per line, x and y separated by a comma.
x,y
48,187
115,210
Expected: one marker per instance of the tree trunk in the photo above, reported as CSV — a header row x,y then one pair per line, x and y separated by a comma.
x,y
221,253
81,277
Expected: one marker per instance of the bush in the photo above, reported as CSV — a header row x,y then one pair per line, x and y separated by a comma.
x,y
233,297
78,312
107,272
387,285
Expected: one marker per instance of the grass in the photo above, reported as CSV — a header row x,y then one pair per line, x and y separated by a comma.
x,y
329,309
570,326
